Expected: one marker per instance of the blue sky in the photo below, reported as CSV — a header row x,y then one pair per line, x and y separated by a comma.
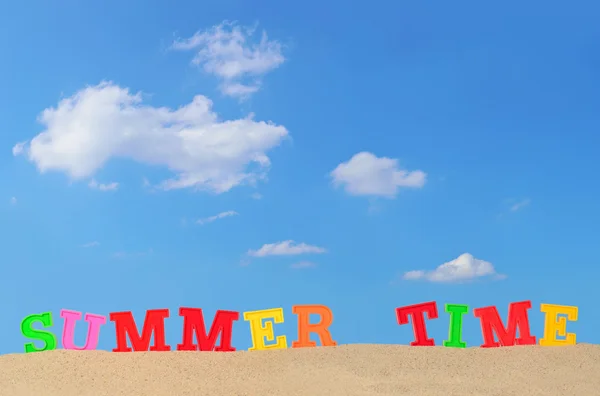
x,y
480,122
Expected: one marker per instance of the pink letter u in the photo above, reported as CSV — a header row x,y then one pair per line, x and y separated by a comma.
x,y
94,323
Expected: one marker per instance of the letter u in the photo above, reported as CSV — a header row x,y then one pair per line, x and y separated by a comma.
x,y
94,323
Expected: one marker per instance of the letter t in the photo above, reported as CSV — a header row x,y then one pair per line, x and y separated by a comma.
x,y
418,312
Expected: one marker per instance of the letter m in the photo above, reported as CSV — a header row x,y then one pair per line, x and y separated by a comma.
x,y
193,323
507,336
153,323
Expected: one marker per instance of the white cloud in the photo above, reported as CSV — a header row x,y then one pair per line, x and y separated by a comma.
x,y
98,123
18,148
13,200
221,215
94,185
256,196
366,174
285,248
239,90
90,244
463,268
520,205
303,265
227,51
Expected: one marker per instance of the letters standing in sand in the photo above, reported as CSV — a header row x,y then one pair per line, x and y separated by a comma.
x,y
263,333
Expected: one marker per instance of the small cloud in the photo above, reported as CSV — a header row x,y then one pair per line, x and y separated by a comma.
x,y
221,215
256,196
90,244
94,185
303,265
18,148
520,205
367,175
239,90
464,268
13,200
286,248
228,52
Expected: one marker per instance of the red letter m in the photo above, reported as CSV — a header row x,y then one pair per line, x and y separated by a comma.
x,y
154,323
507,336
193,322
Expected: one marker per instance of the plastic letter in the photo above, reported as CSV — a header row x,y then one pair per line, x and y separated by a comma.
x,y
153,323
193,322
418,312
456,312
305,327
94,323
47,337
557,326
260,331
507,336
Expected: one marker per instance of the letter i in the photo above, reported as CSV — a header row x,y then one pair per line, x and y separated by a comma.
x,y
456,312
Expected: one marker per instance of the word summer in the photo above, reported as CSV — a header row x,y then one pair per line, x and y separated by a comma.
x,y
261,329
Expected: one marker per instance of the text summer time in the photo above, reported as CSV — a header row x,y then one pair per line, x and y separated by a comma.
x,y
264,334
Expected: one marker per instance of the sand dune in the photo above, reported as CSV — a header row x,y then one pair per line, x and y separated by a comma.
x,y
343,370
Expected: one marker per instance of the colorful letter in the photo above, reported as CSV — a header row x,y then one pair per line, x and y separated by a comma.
x,y
94,323
260,331
555,325
153,323
417,312
193,322
47,337
517,317
305,327
456,312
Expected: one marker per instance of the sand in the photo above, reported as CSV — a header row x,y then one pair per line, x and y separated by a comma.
x,y
343,370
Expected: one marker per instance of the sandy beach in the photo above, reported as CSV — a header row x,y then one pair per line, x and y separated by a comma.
x,y
343,370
